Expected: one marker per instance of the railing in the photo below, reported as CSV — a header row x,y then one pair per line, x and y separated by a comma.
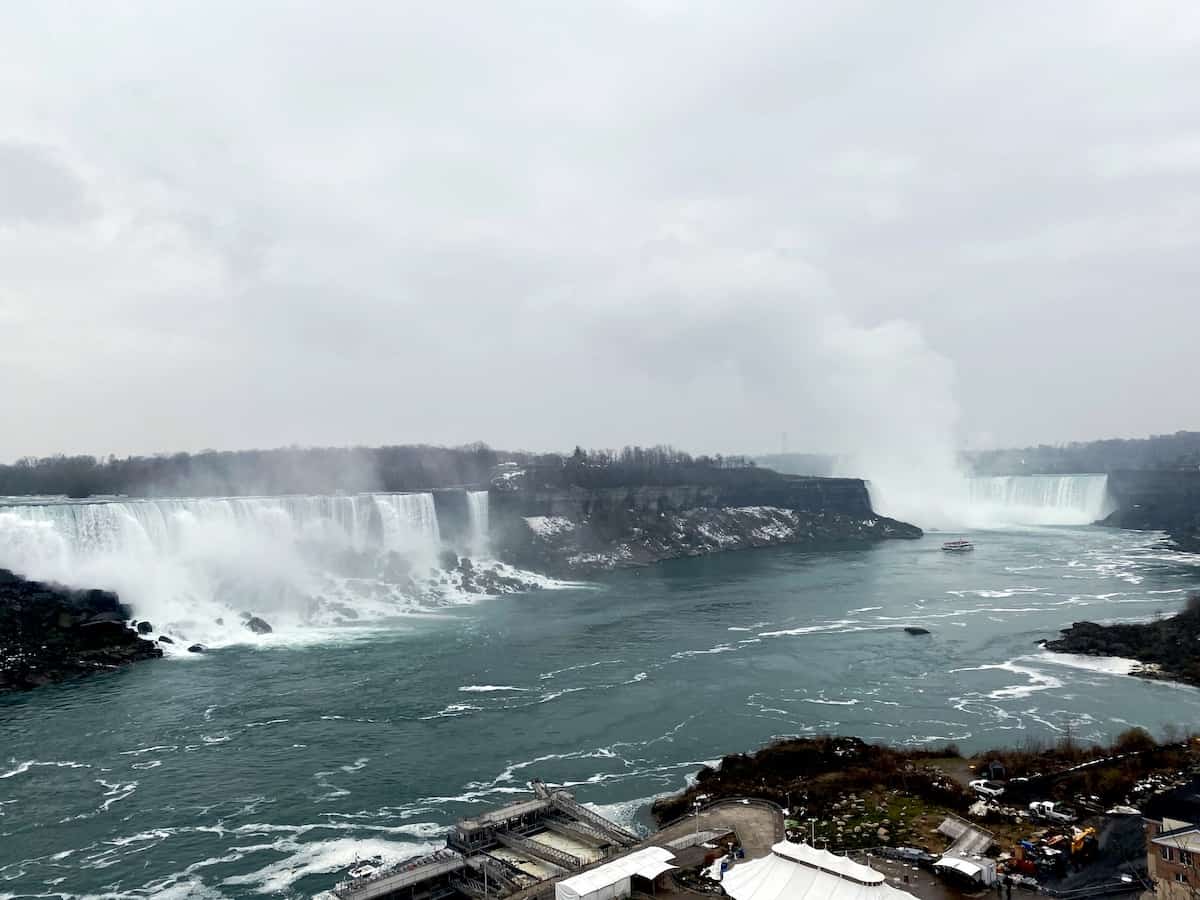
x,y
579,811
579,830
541,851
722,801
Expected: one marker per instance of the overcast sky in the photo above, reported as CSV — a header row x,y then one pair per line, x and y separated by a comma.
x,y
540,224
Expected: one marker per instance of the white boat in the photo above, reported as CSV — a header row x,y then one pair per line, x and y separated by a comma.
x,y
365,868
962,545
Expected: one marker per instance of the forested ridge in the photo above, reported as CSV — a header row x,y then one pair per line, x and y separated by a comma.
x,y
327,470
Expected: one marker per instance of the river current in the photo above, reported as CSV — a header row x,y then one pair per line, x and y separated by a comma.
x,y
260,770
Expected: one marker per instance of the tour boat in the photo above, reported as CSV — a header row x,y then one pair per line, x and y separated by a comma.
x,y
962,545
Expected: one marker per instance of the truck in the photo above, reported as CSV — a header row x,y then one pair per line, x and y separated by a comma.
x,y
1049,811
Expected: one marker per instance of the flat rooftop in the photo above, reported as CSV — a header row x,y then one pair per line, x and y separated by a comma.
x,y
503,814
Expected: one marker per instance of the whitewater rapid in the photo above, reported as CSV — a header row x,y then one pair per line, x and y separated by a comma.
x,y
196,568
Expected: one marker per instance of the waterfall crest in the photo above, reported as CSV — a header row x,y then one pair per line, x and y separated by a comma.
x,y
477,511
1040,499
198,566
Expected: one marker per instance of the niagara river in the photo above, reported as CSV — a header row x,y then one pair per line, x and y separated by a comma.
x,y
265,766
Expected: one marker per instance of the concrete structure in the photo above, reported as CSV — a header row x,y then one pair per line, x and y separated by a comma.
x,y
502,854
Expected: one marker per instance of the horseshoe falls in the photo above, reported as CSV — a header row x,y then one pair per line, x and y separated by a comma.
x,y
1038,499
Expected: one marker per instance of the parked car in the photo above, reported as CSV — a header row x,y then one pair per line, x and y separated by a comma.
x,y
989,789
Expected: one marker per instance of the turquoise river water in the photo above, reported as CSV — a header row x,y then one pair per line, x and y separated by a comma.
x,y
265,770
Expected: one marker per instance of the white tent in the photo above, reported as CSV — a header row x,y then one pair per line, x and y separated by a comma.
x,y
801,872
981,870
611,880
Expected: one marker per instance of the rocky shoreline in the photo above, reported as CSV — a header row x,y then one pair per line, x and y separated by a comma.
x,y
576,531
50,633
1168,649
1158,500
561,545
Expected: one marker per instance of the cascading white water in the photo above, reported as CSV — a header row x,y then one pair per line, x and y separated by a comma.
x,y
197,566
955,501
1039,499
477,510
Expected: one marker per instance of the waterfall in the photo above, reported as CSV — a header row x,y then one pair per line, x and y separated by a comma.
x,y
189,563
410,524
477,511
1039,499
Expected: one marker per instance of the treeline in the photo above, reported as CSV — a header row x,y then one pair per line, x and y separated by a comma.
x,y
327,470
294,470
1180,450
660,466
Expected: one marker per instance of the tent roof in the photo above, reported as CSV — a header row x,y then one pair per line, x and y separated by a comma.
x,y
801,872
829,862
647,863
966,867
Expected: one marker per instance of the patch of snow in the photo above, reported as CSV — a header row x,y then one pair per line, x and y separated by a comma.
x,y
549,526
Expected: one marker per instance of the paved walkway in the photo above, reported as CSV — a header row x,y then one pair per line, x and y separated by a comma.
x,y
759,826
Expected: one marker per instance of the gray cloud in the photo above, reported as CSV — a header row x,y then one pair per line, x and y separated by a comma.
x,y
35,188
881,229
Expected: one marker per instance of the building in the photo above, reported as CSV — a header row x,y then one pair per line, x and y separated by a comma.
x,y
618,879
1172,821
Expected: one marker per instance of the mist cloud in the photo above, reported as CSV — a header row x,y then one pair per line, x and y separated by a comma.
x,y
883,230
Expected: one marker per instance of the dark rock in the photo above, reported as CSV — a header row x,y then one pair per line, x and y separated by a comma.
x,y
197,648
1171,644
257,625
448,560
915,629
107,616
163,639
220,621
51,633
1158,500
144,627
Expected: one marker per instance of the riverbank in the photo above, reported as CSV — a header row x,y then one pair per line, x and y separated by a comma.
x,y
850,794
49,633
1167,649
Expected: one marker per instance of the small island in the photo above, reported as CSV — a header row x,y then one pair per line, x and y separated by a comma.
x,y
1168,648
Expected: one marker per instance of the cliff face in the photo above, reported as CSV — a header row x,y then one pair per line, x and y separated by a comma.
x,y
577,529
50,633
1161,500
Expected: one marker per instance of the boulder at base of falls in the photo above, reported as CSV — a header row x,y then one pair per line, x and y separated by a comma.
x,y
51,633
258,626
197,648
144,627
163,639
916,629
